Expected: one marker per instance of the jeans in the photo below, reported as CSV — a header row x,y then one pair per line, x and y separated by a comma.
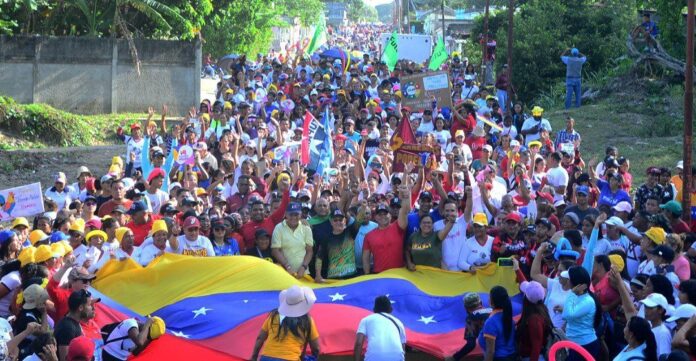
x,y
572,86
594,348
502,99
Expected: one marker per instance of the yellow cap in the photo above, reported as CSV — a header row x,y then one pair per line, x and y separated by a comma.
x,y
205,116
282,176
67,247
537,110
617,261
200,191
481,219
228,105
229,91
20,221
120,232
96,233
158,226
36,236
58,249
157,328
151,124
272,88
26,256
43,253
534,143
657,235
117,160
78,226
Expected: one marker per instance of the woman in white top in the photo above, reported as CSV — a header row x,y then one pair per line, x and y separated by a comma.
x,y
557,289
476,251
641,342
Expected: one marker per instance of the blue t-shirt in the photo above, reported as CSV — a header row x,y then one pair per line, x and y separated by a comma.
x,y
494,328
231,248
609,198
414,221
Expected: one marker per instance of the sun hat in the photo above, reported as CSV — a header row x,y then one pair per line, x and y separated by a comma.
x,y
96,233
533,291
296,301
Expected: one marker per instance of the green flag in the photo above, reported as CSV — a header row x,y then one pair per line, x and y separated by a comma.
x,y
391,51
319,37
439,55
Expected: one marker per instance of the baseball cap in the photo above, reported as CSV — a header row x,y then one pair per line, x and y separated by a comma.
x,y
673,207
656,234
119,209
546,196
337,213
623,206
472,300
381,208
565,274
684,311
425,194
157,328
656,299
614,221
59,178
395,202
20,221
37,235
514,216
664,251
680,165
44,253
481,219
189,201
294,207
34,295
192,222
533,291
136,207
488,148
80,273
58,236
261,233
81,348
157,172
543,221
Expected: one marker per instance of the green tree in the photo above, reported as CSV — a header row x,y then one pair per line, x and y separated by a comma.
x,y
672,24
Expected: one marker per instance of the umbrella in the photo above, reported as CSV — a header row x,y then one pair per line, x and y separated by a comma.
x,y
225,61
332,53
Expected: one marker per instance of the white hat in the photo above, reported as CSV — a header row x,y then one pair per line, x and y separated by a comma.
x,y
174,185
614,221
514,143
656,299
684,311
468,77
565,274
296,301
680,164
623,206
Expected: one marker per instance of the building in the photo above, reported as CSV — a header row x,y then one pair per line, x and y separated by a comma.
x,y
336,13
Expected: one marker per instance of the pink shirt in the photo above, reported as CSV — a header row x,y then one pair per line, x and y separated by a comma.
x,y
682,267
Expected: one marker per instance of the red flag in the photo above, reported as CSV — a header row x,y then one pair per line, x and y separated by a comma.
x,y
304,148
402,135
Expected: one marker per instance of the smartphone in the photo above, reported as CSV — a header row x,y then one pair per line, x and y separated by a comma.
x,y
505,262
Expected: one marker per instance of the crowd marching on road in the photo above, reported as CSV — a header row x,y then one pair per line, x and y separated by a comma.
x,y
296,161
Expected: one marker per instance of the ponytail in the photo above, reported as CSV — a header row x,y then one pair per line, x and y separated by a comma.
x,y
641,330
598,309
501,300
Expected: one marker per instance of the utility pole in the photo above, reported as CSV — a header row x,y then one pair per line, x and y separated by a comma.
x,y
485,43
688,111
442,8
511,12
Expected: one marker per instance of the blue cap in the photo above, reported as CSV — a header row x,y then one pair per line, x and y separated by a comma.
x,y
574,51
294,207
58,236
583,189
6,235
136,207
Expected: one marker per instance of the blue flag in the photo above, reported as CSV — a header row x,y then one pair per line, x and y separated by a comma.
x,y
327,156
320,144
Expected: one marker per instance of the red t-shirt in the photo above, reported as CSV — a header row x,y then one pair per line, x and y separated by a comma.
x,y
605,293
59,296
140,231
476,144
386,246
248,230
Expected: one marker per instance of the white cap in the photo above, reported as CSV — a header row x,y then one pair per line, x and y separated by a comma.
x,y
623,206
559,203
614,221
174,185
514,143
565,274
656,299
680,164
684,311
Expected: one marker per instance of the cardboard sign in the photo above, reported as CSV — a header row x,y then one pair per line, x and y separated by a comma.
x,y
419,154
418,90
22,201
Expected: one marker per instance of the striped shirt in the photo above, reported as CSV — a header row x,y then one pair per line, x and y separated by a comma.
x,y
564,136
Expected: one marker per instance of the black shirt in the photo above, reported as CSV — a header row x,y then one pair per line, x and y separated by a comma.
x,y
256,252
66,330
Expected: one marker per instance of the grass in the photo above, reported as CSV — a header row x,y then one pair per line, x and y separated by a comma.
x,y
41,125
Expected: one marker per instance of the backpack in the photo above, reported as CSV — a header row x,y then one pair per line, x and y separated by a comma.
x,y
556,335
106,332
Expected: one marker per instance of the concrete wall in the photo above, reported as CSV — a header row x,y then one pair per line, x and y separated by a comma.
x,y
97,75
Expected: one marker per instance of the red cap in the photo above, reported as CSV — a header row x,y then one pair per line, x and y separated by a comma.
x,y
340,137
514,216
547,196
192,222
406,109
518,201
157,172
89,184
135,126
81,348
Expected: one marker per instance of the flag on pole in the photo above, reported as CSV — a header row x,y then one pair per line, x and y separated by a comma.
x,y
391,51
304,146
317,146
319,37
439,55
326,156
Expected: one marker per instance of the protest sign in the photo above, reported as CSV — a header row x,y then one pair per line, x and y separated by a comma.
x,y
185,155
419,89
22,201
403,144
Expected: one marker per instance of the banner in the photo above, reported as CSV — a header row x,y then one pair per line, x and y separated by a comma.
x,y
403,144
319,37
439,55
22,201
391,51
316,143
419,89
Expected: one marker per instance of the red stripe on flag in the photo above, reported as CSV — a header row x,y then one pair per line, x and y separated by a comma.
x,y
304,148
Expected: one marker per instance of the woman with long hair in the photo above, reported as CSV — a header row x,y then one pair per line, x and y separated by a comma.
x,y
9,246
583,314
535,323
289,328
641,341
497,338
222,244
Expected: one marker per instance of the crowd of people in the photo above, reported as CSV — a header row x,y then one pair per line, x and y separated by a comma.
x,y
601,261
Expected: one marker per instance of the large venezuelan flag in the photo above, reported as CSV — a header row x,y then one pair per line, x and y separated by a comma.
x,y
218,305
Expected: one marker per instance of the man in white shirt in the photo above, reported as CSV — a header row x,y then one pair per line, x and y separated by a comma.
x,y
532,126
557,176
155,194
191,243
385,333
452,244
469,89
60,192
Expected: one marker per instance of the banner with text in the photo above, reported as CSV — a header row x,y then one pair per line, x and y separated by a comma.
x,y
22,201
419,89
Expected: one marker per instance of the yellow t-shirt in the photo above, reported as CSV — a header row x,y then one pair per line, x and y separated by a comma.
x,y
289,347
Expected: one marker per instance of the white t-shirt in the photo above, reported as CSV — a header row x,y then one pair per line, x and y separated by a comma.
x,y
107,256
555,296
473,254
62,199
557,177
11,281
79,254
385,341
157,199
134,147
121,349
647,267
149,252
663,339
443,137
529,123
201,247
426,127
452,244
